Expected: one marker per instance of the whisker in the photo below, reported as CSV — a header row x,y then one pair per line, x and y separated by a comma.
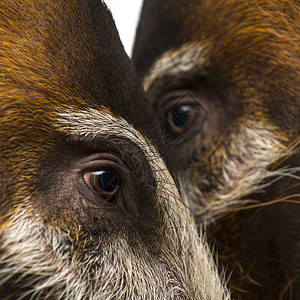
x,y
285,200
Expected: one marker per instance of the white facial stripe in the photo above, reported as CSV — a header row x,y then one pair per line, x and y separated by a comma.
x,y
257,148
176,61
102,122
35,249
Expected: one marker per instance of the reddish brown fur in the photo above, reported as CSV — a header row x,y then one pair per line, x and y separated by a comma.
x,y
71,108
252,66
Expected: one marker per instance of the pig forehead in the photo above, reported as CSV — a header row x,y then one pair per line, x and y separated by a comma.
x,y
71,52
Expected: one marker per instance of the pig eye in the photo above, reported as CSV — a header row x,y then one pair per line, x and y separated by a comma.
x,y
181,117
104,182
180,110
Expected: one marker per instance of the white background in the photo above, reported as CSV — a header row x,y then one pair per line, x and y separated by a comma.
x,y
126,14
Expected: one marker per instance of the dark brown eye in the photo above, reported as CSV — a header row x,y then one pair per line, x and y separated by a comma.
x,y
104,182
181,117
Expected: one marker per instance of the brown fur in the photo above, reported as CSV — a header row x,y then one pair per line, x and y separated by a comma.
x,y
71,105
241,168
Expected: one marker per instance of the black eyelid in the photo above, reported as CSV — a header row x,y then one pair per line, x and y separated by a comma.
x,y
179,99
